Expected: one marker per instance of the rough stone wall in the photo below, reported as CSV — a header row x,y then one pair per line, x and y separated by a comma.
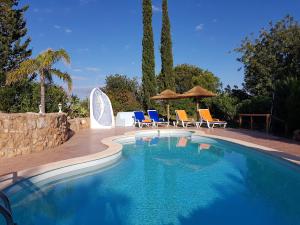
x,y
23,133
78,124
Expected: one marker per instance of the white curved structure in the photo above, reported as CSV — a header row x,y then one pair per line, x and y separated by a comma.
x,y
101,112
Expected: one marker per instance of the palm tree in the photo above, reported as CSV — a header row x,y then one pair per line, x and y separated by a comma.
x,y
42,65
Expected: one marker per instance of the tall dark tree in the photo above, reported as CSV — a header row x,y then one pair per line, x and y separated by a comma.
x,y
166,50
13,50
148,64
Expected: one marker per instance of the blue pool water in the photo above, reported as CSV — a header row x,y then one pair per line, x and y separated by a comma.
x,y
170,180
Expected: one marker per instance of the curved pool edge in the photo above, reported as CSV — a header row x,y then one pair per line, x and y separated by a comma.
x,y
110,155
105,158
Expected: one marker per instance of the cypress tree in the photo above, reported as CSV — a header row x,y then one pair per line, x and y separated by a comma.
x,y
12,30
168,80
148,63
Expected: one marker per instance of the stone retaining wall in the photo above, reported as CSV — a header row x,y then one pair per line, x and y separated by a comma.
x,y
78,124
22,133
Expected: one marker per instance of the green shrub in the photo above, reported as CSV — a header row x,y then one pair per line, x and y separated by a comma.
x,y
287,104
257,104
223,107
78,108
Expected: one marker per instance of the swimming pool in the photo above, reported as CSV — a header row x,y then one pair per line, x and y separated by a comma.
x,y
171,179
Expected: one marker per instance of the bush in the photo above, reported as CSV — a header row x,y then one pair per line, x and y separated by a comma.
x,y
287,104
223,107
124,93
257,104
78,108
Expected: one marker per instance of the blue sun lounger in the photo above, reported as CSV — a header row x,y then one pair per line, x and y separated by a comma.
x,y
153,114
140,120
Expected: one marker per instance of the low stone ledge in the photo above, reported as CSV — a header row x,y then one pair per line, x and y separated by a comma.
x,y
23,133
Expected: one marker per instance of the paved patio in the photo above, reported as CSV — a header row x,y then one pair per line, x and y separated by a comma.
x,y
88,141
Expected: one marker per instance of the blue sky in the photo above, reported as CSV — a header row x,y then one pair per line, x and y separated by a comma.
x,y
104,36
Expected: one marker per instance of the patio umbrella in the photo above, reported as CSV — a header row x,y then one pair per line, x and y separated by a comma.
x,y
167,95
196,93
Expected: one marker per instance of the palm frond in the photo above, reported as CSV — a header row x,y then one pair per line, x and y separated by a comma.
x,y
49,57
63,76
25,69
62,54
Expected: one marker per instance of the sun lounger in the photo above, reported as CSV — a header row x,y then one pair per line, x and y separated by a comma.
x,y
153,114
206,118
181,117
140,120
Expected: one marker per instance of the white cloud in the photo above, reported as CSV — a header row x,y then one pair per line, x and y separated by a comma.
x,y
57,26
199,27
79,78
156,8
67,30
92,69
77,70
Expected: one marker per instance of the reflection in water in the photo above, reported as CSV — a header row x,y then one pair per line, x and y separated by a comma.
x,y
171,180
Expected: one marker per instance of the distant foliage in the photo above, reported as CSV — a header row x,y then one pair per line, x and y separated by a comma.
x,y
187,76
124,92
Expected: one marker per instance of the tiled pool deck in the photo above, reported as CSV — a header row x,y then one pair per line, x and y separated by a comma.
x,y
88,142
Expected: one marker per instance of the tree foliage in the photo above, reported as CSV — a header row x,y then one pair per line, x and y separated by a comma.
x,y
272,72
124,92
148,63
274,55
26,98
287,104
167,77
13,50
187,76
43,66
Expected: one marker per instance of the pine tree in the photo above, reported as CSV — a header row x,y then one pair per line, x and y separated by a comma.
x,y
148,63
12,30
168,80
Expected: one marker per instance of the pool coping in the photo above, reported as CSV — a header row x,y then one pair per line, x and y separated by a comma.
x,y
110,155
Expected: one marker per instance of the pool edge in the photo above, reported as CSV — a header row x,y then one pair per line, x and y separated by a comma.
x,y
110,154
